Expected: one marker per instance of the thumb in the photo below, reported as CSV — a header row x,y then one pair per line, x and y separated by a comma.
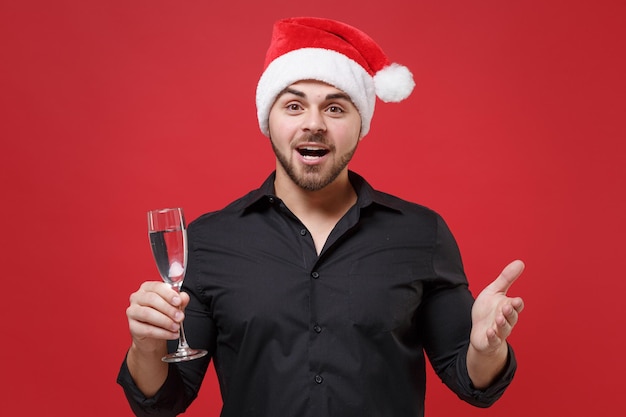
x,y
508,276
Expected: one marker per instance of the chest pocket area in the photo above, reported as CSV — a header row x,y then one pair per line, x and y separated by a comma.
x,y
383,299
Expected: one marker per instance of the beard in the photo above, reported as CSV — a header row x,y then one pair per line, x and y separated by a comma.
x,y
314,177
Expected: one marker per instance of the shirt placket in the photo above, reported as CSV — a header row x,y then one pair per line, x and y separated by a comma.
x,y
310,271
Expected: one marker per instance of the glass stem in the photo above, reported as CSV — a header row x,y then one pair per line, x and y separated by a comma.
x,y
182,340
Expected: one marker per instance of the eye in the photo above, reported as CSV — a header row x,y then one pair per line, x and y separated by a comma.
x,y
293,106
335,109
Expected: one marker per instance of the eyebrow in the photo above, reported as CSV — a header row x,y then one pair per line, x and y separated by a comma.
x,y
299,93
339,96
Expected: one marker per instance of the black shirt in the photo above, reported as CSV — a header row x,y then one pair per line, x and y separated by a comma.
x,y
294,334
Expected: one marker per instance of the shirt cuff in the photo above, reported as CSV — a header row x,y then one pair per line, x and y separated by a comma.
x,y
166,398
487,396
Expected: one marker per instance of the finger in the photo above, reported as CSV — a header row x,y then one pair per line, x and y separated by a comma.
x,y
502,328
493,337
518,304
141,330
508,276
506,321
184,299
510,315
162,289
147,306
152,317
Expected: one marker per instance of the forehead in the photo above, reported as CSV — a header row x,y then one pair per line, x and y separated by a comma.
x,y
314,88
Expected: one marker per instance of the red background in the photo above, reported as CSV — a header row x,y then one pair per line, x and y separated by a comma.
x,y
515,134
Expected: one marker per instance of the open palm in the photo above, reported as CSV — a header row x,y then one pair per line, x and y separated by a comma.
x,y
494,314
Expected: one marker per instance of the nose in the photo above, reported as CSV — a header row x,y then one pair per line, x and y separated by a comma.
x,y
314,121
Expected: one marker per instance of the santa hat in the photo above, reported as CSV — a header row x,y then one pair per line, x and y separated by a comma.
x,y
309,48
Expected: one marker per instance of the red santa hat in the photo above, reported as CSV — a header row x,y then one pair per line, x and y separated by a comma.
x,y
309,48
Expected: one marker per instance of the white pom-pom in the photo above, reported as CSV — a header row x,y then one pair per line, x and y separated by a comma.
x,y
393,83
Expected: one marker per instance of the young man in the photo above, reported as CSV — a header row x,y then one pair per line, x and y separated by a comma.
x,y
315,294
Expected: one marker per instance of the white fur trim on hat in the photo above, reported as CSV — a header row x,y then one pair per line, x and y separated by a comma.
x,y
318,64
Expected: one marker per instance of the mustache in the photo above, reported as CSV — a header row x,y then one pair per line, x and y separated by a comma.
x,y
311,138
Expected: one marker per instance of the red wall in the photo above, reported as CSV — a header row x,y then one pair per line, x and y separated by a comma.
x,y
515,134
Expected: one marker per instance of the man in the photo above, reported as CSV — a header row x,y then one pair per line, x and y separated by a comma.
x,y
317,295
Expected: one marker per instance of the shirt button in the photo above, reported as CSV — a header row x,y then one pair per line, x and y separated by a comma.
x,y
318,379
317,328
303,232
315,275
271,200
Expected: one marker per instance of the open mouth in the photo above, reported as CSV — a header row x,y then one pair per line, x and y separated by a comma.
x,y
312,152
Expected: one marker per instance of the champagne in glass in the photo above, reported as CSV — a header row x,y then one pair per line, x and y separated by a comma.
x,y
168,239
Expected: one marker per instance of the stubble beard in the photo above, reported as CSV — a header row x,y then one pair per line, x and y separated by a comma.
x,y
312,177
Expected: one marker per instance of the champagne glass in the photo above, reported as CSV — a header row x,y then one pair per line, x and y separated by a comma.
x,y
168,239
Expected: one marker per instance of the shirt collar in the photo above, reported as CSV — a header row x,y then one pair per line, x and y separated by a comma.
x,y
367,195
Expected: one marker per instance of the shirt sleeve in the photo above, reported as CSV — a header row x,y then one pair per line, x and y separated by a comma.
x,y
168,401
446,324
179,389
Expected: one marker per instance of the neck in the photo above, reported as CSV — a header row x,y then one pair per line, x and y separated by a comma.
x,y
331,201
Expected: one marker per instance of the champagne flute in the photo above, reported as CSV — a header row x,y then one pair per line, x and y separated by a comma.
x,y
168,239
